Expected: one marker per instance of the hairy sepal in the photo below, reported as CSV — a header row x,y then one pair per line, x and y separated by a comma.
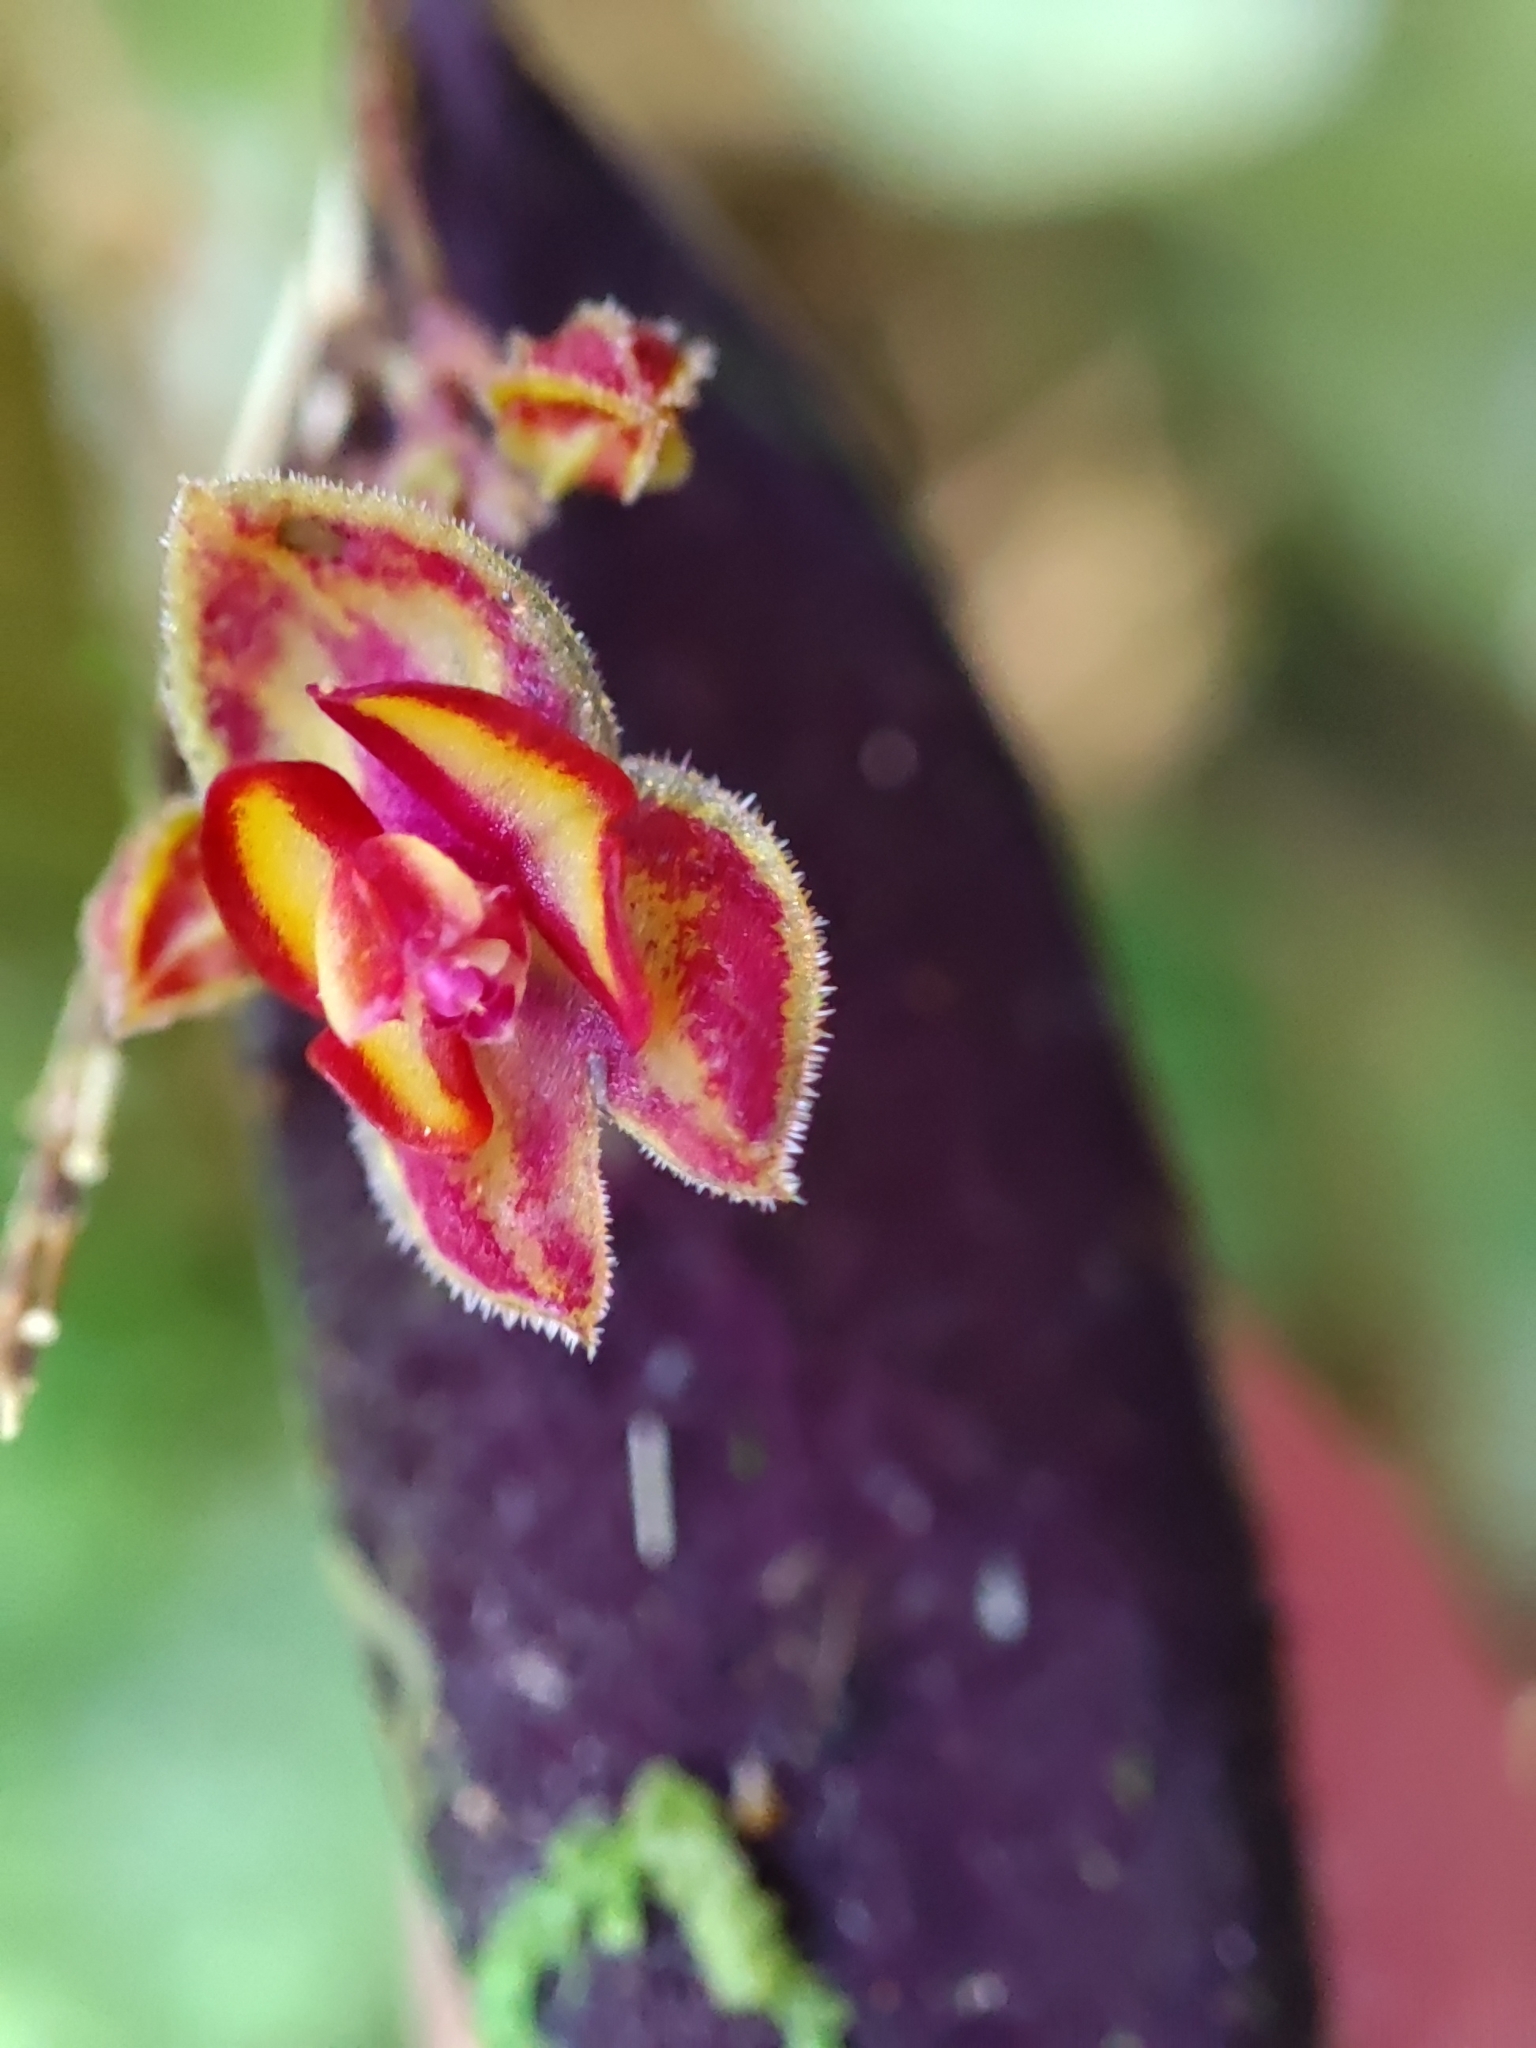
x,y
720,1088
151,935
276,584
519,1230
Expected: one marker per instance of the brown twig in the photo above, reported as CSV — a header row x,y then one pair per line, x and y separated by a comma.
x,y
68,1122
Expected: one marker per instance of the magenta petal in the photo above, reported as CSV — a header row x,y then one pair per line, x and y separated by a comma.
x,y
520,1229
719,1089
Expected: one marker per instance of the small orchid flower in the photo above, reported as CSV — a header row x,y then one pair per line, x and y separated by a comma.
x,y
496,432
152,928
413,823
597,404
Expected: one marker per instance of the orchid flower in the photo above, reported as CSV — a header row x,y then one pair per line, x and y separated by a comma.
x,y
596,405
412,821
497,432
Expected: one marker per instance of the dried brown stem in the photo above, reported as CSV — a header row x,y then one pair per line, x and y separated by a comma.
x,y
68,1121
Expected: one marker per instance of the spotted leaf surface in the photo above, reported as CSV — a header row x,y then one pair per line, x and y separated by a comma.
x,y
957,1556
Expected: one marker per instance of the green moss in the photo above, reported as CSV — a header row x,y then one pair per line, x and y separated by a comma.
x,y
671,1846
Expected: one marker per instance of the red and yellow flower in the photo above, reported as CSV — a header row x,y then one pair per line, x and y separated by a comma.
x,y
597,405
411,820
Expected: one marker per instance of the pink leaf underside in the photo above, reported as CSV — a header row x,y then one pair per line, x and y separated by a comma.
x,y
531,803
520,1229
720,1088
275,585
276,838
150,932
1416,1790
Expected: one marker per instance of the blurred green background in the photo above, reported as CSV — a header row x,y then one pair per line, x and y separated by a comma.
x,y
1201,336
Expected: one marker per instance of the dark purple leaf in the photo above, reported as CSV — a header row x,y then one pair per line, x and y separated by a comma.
x,y
958,1551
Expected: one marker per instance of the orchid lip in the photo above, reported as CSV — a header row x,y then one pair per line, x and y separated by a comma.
x,y
537,807
402,921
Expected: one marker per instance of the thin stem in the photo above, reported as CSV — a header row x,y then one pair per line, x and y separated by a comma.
x,y
69,1121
